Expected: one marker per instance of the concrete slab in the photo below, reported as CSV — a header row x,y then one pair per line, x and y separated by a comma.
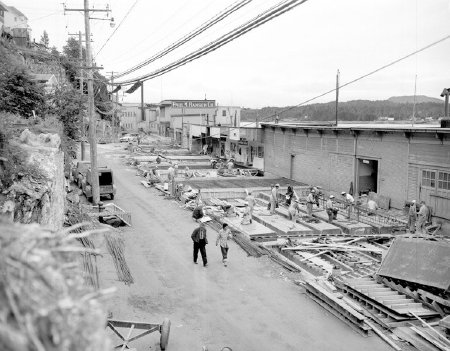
x,y
322,228
254,230
349,227
281,225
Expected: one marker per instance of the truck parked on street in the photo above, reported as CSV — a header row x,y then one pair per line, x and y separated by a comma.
x,y
106,182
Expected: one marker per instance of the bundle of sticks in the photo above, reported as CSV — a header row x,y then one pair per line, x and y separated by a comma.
x,y
116,248
43,302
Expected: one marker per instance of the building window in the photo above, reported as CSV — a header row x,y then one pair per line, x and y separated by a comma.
x,y
443,181
224,113
429,178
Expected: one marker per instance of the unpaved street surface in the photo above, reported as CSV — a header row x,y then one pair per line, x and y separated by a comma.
x,y
249,305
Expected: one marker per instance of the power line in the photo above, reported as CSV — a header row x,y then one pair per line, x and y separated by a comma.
x,y
206,25
369,74
257,21
347,83
118,26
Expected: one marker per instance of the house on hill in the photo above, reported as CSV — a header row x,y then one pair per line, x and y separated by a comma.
x,y
14,24
48,81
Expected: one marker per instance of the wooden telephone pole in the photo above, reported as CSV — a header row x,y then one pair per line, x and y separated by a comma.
x,y
91,108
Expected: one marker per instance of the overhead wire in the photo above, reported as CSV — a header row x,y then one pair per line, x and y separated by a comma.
x,y
117,28
160,27
262,18
196,32
270,117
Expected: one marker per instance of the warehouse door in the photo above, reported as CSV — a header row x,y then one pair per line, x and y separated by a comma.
x,y
435,191
367,176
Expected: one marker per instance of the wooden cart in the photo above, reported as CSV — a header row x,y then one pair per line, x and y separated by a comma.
x,y
145,328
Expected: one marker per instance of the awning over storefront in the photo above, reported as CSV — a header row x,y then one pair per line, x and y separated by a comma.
x,y
215,132
197,130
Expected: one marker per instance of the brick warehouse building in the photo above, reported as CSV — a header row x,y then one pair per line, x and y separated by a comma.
x,y
400,162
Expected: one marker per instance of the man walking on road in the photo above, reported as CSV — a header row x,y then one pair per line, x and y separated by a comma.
x,y
222,238
199,238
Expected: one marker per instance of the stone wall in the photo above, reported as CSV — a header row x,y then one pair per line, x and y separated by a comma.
x,y
38,197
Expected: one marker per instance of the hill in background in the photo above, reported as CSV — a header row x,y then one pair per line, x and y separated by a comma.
x,y
398,107
410,99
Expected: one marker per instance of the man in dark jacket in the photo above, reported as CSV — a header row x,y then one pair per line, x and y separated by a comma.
x,y
199,238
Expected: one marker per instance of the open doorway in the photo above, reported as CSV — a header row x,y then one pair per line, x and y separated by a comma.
x,y
367,176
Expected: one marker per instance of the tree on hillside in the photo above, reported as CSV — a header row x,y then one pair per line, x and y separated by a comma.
x,y
72,49
44,39
70,106
19,94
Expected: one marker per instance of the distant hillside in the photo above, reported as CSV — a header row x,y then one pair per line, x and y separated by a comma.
x,y
410,99
356,110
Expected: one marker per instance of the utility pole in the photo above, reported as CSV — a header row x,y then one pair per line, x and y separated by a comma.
x,y
115,116
142,102
83,129
337,95
90,84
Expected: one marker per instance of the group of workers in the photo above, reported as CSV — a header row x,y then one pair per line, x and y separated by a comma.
x,y
417,220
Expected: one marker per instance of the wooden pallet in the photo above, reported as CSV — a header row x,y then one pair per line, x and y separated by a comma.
x,y
386,300
338,308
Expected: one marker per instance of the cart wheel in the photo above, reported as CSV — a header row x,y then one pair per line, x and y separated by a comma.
x,y
164,329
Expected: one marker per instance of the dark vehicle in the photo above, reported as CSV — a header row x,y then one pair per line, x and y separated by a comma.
x,y
79,171
106,182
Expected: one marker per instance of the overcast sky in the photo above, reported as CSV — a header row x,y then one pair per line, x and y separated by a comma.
x,y
284,62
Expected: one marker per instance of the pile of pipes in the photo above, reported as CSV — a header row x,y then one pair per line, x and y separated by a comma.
x,y
43,302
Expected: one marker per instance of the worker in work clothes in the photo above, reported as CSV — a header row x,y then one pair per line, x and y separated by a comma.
x,y
412,216
199,238
251,204
222,238
310,200
372,206
331,210
274,198
293,211
422,217
349,202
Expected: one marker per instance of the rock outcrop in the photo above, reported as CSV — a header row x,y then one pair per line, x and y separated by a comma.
x,y
38,197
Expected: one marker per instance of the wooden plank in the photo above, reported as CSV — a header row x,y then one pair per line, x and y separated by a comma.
x,y
396,301
384,337
431,340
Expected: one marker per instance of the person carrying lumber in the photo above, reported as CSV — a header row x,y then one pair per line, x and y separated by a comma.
x,y
200,240
412,216
293,212
331,210
222,238
310,201
251,204
274,198
422,218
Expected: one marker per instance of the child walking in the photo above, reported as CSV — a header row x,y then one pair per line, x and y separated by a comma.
x,y
222,237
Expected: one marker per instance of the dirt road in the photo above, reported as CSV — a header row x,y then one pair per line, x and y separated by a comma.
x,y
249,305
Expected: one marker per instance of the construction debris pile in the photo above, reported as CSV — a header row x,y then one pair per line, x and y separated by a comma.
x,y
44,303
